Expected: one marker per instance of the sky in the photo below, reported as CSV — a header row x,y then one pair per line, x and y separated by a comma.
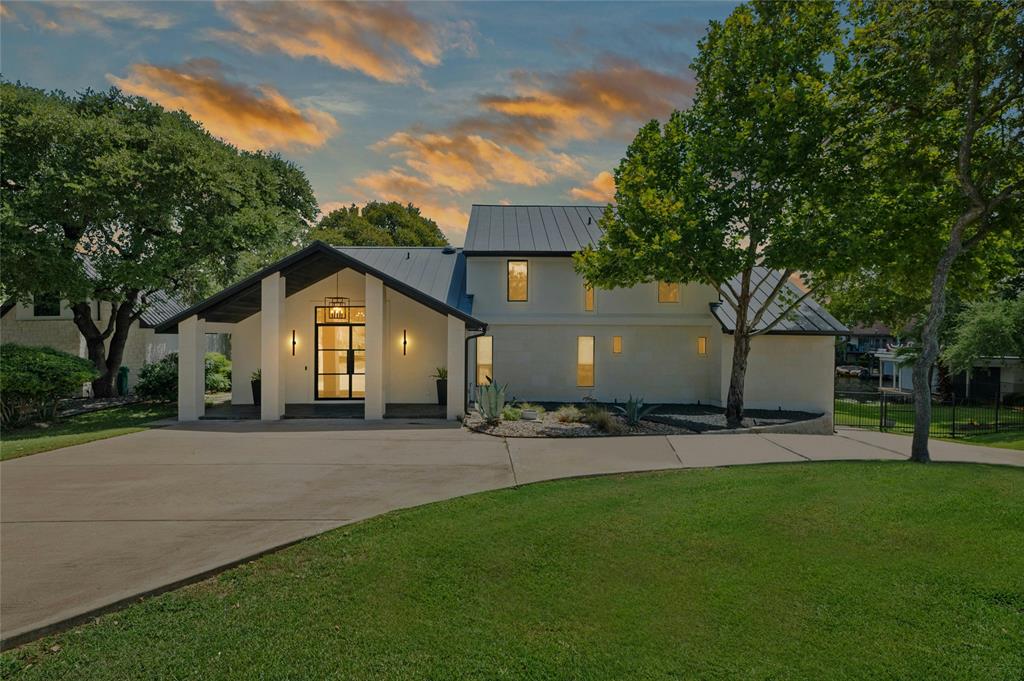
x,y
436,103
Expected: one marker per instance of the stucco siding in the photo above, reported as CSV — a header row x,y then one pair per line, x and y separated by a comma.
x,y
788,372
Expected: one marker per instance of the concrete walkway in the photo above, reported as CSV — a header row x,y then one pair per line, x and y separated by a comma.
x,y
89,527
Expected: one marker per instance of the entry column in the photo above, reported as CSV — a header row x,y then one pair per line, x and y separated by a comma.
x,y
456,367
191,368
373,405
271,344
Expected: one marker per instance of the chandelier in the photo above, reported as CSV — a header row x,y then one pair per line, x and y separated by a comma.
x,y
337,305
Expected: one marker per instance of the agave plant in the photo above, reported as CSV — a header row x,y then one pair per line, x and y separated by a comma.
x,y
490,400
634,410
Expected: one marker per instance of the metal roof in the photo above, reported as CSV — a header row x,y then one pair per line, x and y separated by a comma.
x,y
808,318
438,272
159,305
532,230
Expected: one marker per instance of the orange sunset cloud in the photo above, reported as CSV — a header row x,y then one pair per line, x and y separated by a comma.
x,y
394,185
94,17
250,118
600,190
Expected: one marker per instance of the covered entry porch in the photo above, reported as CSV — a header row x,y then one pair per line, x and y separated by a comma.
x,y
335,333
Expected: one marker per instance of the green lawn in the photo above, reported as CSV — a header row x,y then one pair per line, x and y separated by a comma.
x,y
77,430
881,570
901,416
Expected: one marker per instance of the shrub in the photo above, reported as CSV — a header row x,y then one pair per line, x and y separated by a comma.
x,y
33,380
634,410
218,373
159,380
524,406
602,419
511,413
568,413
490,400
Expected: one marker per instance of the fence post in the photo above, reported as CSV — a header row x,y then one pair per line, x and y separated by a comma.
x,y
953,426
999,396
881,415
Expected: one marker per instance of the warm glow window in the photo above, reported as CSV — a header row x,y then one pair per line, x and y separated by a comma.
x,y
588,298
585,361
616,345
484,360
518,277
702,346
668,292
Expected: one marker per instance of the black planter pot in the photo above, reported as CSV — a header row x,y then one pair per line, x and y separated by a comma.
x,y
442,391
256,392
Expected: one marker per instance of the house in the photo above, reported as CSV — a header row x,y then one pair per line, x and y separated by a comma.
x,y
990,379
369,326
863,341
49,322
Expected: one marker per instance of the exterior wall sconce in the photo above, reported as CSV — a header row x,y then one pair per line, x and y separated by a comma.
x,y
293,342
405,341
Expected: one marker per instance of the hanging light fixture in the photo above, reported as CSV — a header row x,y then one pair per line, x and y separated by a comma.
x,y
337,305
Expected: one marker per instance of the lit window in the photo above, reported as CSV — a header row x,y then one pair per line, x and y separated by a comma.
x,y
668,292
484,360
702,346
46,306
517,281
585,361
616,345
588,298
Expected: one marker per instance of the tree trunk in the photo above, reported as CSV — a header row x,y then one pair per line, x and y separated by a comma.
x,y
734,402
107,360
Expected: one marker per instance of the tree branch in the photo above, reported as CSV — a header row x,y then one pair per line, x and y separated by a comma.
x,y
784,314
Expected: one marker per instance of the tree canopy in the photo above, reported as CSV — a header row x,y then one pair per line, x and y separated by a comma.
x,y
109,197
378,224
987,328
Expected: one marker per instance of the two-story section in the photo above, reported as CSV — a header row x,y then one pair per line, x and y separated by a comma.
x,y
552,338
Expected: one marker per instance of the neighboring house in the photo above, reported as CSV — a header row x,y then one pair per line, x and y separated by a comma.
x,y
50,323
989,378
863,340
370,325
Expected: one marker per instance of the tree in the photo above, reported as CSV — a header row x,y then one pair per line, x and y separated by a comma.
x,y
739,181
987,328
937,89
109,197
378,224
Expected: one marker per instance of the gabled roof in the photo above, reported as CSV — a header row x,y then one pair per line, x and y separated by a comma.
x,y
807,319
420,276
532,230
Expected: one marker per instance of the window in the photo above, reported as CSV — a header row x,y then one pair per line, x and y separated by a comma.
x,y
702,346
588,298
484,359
585,361
668,292
616,345
46,306
517,281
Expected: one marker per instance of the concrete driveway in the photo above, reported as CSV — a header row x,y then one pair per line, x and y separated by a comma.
x,y
87,527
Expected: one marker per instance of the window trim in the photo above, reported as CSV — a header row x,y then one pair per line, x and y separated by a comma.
x,y
589,298
476,349
679,293
593,362
58,315
508,281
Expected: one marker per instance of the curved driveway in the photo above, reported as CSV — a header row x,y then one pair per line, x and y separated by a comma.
x,y
87,527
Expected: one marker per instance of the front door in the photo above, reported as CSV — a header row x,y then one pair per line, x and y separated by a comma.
x,y
340,360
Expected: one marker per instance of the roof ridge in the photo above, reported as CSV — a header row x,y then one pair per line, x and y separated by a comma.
x,y
539,205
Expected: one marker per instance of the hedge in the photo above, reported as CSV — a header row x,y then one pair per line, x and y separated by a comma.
x,y
159,380
34,379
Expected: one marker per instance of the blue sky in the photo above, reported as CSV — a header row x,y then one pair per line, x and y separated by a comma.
x,y
441,104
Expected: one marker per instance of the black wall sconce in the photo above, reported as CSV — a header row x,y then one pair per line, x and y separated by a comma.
x,y
293,342
405,341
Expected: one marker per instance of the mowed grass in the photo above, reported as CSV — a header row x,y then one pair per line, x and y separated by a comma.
x,y
76,430
881,570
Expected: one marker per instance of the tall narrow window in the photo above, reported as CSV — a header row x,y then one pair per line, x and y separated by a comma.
x,y
702,346
588,298
585,361
616,345
518,280
484,360
45,306
668,292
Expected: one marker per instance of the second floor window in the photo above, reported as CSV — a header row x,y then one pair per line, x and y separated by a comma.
x,y
588,298
46,306
668,292
518,279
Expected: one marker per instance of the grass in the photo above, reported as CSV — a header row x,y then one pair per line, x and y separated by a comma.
x,y
1002,440
881,570
76,430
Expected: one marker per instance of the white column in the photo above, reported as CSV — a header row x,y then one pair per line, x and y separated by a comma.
x,y
456,367
373,404
191,369
271,342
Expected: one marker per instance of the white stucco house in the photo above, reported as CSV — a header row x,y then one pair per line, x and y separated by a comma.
x,y
367,327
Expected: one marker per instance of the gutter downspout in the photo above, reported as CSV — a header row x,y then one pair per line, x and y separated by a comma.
x,y
465,360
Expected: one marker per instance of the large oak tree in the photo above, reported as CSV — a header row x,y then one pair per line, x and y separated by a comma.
x,y
109,197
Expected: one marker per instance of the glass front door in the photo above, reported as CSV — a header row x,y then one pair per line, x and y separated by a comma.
x,y
340,359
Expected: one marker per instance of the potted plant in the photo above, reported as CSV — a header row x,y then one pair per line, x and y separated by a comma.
x,y
441,378
255,379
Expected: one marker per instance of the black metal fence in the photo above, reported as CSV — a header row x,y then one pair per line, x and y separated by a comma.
x,y
952,417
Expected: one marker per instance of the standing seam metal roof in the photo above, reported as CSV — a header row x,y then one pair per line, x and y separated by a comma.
x,y
807,318
554,230
432,271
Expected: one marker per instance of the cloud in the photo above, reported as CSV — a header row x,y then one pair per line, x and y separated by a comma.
x,y
599,190
395,185
251,118
384,41
94,16
612,97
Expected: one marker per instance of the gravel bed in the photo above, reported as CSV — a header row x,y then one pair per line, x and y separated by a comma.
x,y
705,422
549,426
